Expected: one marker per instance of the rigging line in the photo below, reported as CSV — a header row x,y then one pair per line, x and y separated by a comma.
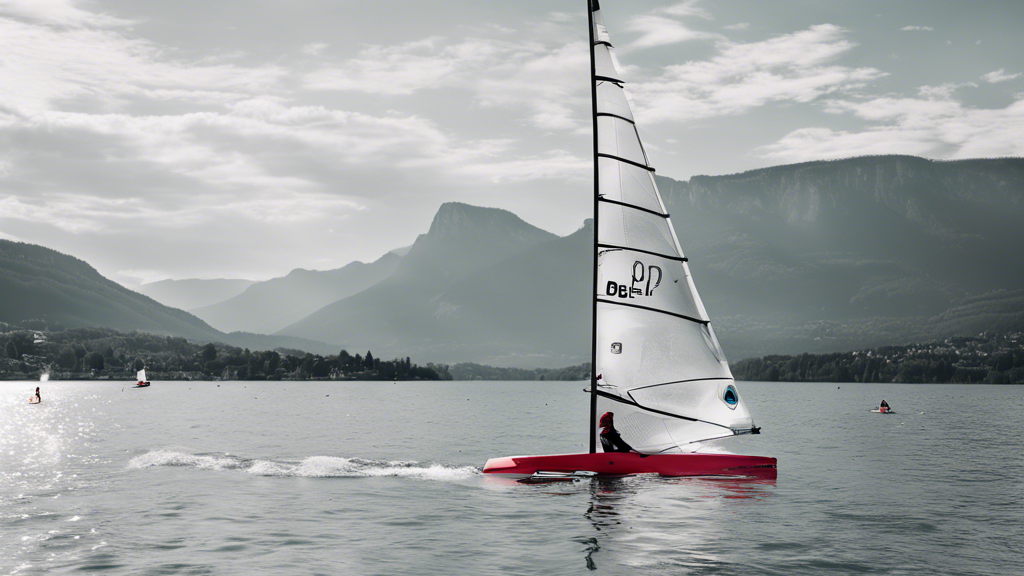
x,y
681,382
632,402
616,116
665,256
633,206
621,159
684,317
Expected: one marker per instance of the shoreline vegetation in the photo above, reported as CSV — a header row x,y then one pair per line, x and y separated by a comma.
x,y
989,358
28,351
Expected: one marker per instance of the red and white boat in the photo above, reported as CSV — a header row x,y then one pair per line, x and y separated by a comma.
x,y
657,364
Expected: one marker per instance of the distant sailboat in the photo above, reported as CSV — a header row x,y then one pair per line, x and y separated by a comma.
x,y
142,383
657,364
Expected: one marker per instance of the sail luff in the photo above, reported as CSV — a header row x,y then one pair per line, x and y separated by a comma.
x,y
597,194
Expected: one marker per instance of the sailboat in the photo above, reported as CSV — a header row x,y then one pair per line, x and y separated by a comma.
x,y
658,368
142,383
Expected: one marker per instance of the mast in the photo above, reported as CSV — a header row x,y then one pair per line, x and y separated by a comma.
x,y
591,6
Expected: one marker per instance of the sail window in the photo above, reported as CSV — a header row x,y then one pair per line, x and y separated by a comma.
x,y
731,397
616,347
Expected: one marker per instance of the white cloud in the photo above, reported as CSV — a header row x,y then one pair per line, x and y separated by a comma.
x,y
44,66
737,26
550,80
57,12
942,91
402,69
796,67
998,76
555,164
81,213
917,29
937,127
661,31
552,83
687,8
314,49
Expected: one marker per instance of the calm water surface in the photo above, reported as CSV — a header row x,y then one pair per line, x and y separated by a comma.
x,y
382,478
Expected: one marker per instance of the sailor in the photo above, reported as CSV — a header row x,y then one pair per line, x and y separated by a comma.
x,y
611,441
884,406
37,397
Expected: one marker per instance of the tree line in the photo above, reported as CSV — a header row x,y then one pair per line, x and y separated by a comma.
x,y
986,359
89,353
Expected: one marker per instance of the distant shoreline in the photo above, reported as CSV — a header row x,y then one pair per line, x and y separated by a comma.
x,y
985,359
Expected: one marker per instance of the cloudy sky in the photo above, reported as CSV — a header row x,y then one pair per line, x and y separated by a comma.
x,y
242,139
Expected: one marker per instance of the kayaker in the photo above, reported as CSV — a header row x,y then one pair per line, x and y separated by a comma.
x,y
883,407
611,441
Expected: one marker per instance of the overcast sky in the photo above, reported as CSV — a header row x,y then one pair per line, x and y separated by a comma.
x,y
202,138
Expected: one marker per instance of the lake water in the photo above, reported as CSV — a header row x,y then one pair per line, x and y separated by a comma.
x,y
382,478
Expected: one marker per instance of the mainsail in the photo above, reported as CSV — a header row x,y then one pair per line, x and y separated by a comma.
x,y
141,375
657,362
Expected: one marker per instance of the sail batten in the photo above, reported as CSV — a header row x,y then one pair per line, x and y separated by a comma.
x,y
631,249
633,206
657,360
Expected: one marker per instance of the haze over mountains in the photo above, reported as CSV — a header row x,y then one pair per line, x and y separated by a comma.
x,y
266,307
821,256
193,292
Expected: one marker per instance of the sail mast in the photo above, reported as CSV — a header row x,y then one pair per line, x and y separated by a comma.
x,y
591,6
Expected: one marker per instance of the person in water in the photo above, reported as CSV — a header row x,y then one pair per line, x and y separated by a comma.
x,y
884,406
37,397
611,441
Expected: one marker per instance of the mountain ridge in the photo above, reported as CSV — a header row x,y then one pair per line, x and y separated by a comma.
x,y
39,283
461,240
268,306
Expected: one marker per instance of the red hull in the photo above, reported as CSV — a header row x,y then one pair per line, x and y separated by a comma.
x,y
620,464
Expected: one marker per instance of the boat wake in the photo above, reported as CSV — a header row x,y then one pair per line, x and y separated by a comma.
x,y
311,467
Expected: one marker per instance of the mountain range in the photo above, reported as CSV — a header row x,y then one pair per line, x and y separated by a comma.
x,y
809,257
407,310
852,253
266,307
37,283
812,257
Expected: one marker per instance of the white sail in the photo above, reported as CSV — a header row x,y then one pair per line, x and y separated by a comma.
x,y
662,372
142,375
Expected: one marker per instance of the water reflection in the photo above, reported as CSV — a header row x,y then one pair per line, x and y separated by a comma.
x,y
683,520
45,451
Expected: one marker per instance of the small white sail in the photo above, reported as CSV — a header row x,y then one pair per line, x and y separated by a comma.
x,y
142,375
663,373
